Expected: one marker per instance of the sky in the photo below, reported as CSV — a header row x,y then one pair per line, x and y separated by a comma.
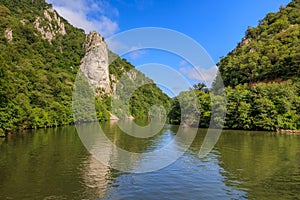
x,y
217,26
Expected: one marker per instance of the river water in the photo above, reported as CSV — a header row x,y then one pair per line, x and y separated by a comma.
x,y
54,164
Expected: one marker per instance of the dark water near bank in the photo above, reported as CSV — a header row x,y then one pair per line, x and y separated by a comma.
x,y
54,164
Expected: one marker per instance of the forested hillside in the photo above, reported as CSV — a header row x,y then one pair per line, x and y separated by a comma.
x,y
144,97
261,76
36,75
41,54
268,52
39,59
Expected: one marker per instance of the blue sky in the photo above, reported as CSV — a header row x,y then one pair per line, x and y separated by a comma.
x,y
216,25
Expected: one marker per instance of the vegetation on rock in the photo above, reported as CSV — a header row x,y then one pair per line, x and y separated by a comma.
x,y
37,74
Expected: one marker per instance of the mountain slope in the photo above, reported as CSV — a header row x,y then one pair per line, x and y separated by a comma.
x,y
261,76
40,56
36,72
269,51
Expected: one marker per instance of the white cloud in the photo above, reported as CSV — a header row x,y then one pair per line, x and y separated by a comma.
x,y
89,15
200,74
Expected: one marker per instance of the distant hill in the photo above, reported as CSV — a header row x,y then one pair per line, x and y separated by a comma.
x,y
268,52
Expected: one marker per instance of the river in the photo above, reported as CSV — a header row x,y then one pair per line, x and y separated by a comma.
x,y
54,164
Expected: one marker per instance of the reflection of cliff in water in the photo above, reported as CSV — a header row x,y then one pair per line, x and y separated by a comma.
x,y
99,176
96,178
128,152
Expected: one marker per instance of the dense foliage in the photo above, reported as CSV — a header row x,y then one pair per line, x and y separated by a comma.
x,y
261,76
265,106
37,76
270,51
143,98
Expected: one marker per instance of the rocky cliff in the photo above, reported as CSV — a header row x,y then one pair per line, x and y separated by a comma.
x,y
40,56
94,65
50,25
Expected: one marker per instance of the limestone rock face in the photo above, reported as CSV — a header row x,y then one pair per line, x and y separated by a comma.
x,y
8,34
54,26
245,42
94,65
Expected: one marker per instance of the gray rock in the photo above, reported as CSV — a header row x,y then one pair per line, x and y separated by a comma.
x,y
94,65
51,30
8,34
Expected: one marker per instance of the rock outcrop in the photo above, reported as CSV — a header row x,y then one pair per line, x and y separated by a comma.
x,y
8,34
94,65
54,27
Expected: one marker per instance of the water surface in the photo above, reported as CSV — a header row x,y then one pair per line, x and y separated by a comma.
x,y
54,164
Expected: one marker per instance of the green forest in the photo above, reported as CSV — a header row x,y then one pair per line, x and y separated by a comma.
x,y
265,106
261,75
37,76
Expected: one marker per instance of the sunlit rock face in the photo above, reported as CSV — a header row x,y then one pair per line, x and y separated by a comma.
x,y
50,25
8,35
94,65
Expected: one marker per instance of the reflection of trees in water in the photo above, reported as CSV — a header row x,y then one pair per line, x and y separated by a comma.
x,y
128,142
2,140
41,164
263,164
104,147
119,150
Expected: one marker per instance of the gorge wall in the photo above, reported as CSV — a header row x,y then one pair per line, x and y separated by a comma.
x,y
94,65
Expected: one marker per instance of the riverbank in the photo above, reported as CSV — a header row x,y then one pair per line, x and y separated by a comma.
x,y
114,118
289,132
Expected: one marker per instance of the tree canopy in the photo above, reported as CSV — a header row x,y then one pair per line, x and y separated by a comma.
x,y
261,76
37,76
270,51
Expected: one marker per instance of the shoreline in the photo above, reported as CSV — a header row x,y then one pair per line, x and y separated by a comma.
x,y
289,132
3,133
